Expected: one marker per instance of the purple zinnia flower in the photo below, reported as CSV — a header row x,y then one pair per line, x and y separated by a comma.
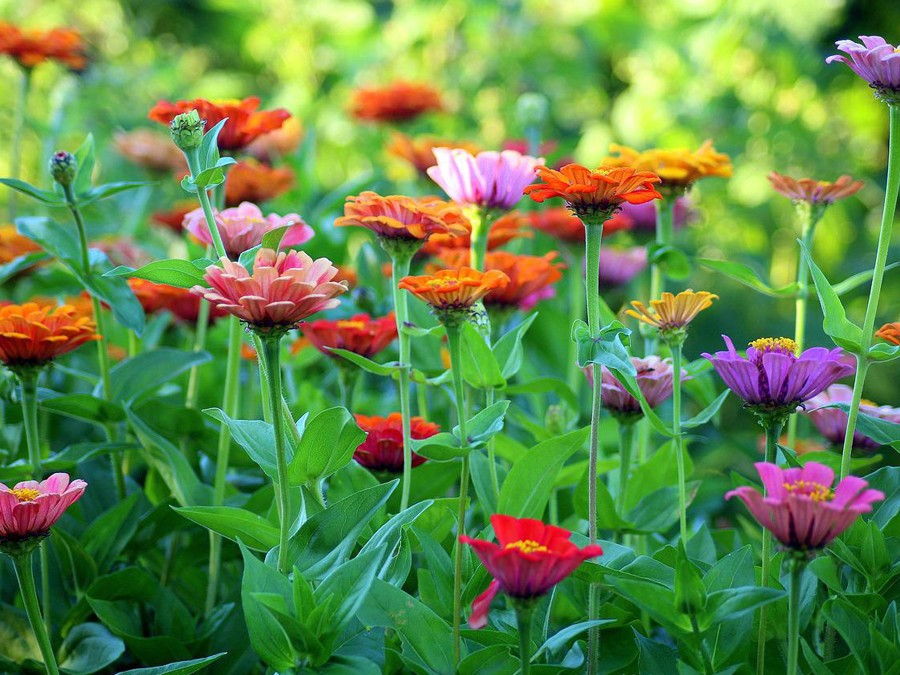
x,y
654,377
800,509
618,266
644,215
773,377
875,61
832,422
491,180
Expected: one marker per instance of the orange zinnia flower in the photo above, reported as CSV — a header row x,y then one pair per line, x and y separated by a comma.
x,y
32,47
253,181
559,222
399,217
14,245
32,335
890,332
672,312
598,192
279,143
245,123
419,152
360,334
678,168
151,150
450,290
507,227
396,102
814,191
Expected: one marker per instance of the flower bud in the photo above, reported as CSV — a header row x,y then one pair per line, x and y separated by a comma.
x,y
187,130
63,167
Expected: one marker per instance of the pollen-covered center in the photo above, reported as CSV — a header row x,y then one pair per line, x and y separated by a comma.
x,y
527,546
26,494
815,491
781,345
441,283
349,324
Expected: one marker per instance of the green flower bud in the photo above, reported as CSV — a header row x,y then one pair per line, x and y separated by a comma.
x,y
187,130
63,167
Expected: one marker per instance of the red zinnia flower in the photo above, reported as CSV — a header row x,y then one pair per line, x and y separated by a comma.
x,y
360,334
890,332
383,448
252,181
449,290
400,217
396,102
531,558
32,47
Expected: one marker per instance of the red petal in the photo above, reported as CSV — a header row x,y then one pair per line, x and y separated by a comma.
x,y
482,605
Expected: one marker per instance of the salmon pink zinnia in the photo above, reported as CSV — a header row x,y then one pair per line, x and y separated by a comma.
x,y
243,227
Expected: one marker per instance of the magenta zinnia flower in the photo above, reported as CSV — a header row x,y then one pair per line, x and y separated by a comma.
x,y
832,422
283,289
30,508
772,376
875,61
654,378
618,266
491,180
644,215
243,227
800,509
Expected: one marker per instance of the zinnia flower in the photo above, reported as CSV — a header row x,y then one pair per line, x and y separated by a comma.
x,y
503,230
772,376
814,192
453,290
832,422
489,180
559,223
419,152
278,143
654,378
644,215
875,61
403,218
243,227
32,47
245,123
619,266
890,332
32,335
252,181
360,334
283,289
180,302
31,508
529,559
799,507
14,245
150,149
677,168
598,192
397,102
383,448
671,314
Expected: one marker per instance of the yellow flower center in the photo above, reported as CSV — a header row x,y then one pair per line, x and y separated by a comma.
x,y
527,546
780,345
815,491
441,283
349,324
865,401
26,494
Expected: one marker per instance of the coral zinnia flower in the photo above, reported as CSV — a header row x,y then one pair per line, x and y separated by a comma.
x,y
490,180
360,334
14,245
832,422
396,102
30,509
672,312
814,191
875,61
601,191
32,47
278,143
530,559
419,152
150,149
507,227
32,335
399,217
245,123
283,289
890,332
252,181
180,302
243,227
678,168
772,375
559,222
383,448
799,507
174,217
619,266
450,290
654,377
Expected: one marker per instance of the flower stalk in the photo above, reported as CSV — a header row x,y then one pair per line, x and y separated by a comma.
x,y
678,440
400,262
797,564
626,443
25,575
524,614
15,154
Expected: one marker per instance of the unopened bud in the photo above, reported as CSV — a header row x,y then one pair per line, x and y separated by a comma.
x,y
187,130
63,167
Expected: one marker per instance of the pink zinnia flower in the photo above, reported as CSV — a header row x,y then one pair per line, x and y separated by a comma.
x,y
283,289
800,508
875,61
832,422
491,180
30,508
618,266
644,215
654,378
243,227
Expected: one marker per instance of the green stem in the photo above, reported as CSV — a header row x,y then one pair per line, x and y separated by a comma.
x,y
773,433
15,155
884,241
272,355
193,159
200,332
492,451
704,654
626,441
347,377
665,228
807,223
524,614
481,227
25,575
794,617
223,452
400,268
678,441
574,259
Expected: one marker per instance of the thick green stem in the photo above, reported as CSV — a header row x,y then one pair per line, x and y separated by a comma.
x,y
807,223
626,441
884,242
200,331
193,159
347,377
25,575
574,260
794,617
400,268
15,154
492,451
223,452
272,355
678,441
524,614
773,433
481,227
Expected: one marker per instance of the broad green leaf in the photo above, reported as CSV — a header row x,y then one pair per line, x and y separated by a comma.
x,y
20,264
484,424
879,430
327,444
254,531
843,332
508,350
146,372
272,238
609,348
748,277
85,407
85,167
267,636
884,352
88,648
58,241
673,260
43,196
479,365
348,584
560,639
256,437
108,190
179,668
731,603
707,413
655,658
174,272
117,294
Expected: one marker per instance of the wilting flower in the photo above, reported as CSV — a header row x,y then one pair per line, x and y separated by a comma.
x,y
252,181
875,61
419,152
448,291
654,378
383,448
360,334
180,302
644,215
282,289
559,223
489,180
814,192
395,102
799,507
773,377
32,47
30,509
244,226
174,217
529,559
278,143
507,227
32,335
150,149
14,245
890,332
832,422
598,192
678,168
619,266
403,218
245,123
671,314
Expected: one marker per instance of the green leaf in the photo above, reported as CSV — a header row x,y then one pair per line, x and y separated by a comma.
x,y
485,424
256,437
748,277
508,350
209,178
707,413
879,430
327,444
209,146
348,585
254,531
174,272
20,264
560,639
58,241
179,668
883,352
146,372
843,332
267,636
272,238
609,348
440,447
543,385
479,365
117,294
89,647
673,260
108,190
85,407
43,196
85,163
858,279
366,364
731,603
